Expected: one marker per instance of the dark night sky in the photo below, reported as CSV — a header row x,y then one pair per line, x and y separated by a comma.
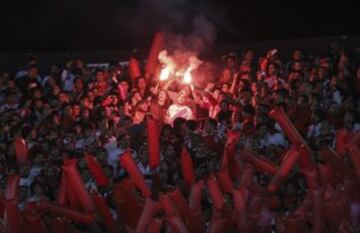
x,y
73,25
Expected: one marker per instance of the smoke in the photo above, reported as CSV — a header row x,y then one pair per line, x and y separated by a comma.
x,y
188,25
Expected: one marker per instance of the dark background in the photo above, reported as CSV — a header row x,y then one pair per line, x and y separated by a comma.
x,y
90,25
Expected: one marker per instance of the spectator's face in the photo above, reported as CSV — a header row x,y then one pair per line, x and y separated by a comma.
x,y
100,76
37,94
297,66
323,73
33,72
249,55
124,141
86,114
136,97
230,62
273,70
209,128
225,88
76,110
91,96
358,73
226,76
297,55
142,84
79,84
56,90
87,103
254,88
181,98
124,85
63,98
162,97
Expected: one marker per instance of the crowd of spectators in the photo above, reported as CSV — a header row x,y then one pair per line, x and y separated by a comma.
x,y
72,109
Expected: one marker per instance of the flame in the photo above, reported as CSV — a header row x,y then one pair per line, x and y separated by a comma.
x,y
187,76
165,72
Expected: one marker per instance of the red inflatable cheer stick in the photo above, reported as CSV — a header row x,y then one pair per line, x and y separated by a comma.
x,y
286,166
172,215
96,170
155,226
215,192
134,69
152,59
71,214
77,184
239,198
354,154
13,216
105,213
180,202
62,194
12,187
153,142
290,131
151,208
128,163
334,160
21,150
187,167
34,223
260,163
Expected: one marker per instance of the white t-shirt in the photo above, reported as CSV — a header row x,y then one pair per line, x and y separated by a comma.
x,y
176,111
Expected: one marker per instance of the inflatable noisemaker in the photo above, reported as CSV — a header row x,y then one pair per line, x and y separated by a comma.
x,y
287,164
153,135
58,225
247,176
354,154
155,226
134,69
195,221
172,215
76,183
345,227
312,178
21,150
127,204
180,202
128,163
290,131
318,208
34,223
293,224
286,125
105,213
343,136
326,174
62,193
334,160
96,170
331,213
225,181
195,195
215,192
12,187
12,216
2,205
260,163
221,221
239,199
151,208
74,215
229,160
187,166
152,59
